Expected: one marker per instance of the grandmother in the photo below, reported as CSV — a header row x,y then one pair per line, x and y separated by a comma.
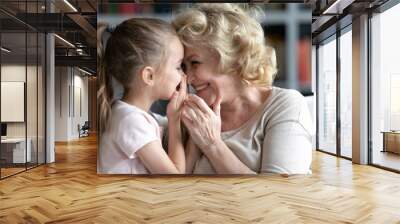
x,y
240,122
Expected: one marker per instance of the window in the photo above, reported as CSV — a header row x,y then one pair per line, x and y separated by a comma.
x,y
346,93
385,89
22,76
327,95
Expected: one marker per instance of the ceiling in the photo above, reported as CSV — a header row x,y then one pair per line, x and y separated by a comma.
x,y
332,15
73,20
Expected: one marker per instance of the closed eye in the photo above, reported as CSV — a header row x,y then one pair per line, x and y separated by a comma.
x,y
183,67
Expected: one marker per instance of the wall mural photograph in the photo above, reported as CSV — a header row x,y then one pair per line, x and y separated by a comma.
x,y
211,88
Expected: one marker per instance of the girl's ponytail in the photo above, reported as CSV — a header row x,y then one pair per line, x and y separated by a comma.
x,y
105,90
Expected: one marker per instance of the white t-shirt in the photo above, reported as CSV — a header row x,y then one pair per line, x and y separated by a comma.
x,y
276,139
130,129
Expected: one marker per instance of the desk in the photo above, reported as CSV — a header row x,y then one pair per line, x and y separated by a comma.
x,y
391,141
13,150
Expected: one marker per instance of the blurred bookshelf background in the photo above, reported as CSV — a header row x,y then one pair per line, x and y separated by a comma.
x,y
287,28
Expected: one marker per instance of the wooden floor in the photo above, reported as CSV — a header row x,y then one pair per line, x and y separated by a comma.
x,y
10,171
387,159
70,191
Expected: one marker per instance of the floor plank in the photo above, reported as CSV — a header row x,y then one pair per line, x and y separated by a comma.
x,y
70,191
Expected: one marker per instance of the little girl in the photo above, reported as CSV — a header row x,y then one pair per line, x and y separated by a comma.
x,y
145,56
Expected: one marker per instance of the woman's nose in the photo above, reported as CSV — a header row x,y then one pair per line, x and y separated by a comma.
x,y
190,78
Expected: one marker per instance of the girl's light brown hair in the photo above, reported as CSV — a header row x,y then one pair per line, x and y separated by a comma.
x,y
134,44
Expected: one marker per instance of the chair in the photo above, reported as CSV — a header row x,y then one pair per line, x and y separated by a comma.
x,y
84,130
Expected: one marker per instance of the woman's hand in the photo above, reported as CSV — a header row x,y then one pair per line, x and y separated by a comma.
x,y
176,102
203,124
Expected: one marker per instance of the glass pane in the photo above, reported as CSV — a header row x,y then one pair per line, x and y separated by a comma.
x,y
23,87
31,97
346,94
13,86
32,84
385,85
327,96
41,98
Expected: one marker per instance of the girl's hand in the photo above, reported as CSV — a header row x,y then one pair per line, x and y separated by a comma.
x,y
203,124
176,102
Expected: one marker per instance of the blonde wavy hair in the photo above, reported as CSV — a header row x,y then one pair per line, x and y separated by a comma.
x,y
236,37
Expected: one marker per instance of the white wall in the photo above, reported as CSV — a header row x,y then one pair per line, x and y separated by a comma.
x,y
80,83
70,83
17,73
14,73
62,81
